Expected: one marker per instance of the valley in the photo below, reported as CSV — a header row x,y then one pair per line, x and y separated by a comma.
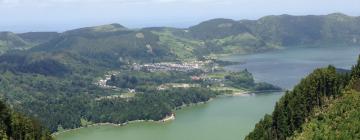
x,y
111,74
230,117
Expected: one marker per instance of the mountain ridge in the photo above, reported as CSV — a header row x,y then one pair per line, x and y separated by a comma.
x,y
113,45
224,35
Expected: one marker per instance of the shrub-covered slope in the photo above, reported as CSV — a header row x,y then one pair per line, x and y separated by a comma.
x,y
14,126
340,120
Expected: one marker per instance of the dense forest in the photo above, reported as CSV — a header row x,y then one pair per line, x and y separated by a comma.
x,y
149,106
14,126
338,120
322,106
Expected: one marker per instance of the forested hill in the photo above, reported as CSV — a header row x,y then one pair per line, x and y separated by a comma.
x,y
14,126
325,105
212,36
113,45
13,41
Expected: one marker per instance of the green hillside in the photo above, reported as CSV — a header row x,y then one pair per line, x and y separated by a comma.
x,y
10,41
113,44
37,38
323,106
274,32
108,44
217,28
287,30
338,120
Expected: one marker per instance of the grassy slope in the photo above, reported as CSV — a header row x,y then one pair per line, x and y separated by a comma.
x,y
10,40
242,44
183,48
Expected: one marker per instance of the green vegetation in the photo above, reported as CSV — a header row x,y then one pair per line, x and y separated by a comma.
x,y
323,106
183,48
153,105
66,102
245,80
287,30
15,126
52,100
217,36
11,41
62,98
142,80
51,76
244,43
338,120
274,32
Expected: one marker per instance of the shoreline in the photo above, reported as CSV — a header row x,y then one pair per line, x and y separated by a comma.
x,y
166,118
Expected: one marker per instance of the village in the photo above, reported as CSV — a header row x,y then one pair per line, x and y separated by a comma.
x,y
162,76
174,66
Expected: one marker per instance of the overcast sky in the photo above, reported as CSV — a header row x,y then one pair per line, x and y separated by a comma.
x,y
60,15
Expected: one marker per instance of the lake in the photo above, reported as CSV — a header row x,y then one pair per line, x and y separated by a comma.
x,y
229,118
285,68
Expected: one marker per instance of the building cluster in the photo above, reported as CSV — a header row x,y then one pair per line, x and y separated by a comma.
x,y
176,85
167,66
102,82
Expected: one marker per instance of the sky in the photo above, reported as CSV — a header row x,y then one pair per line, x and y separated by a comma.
x,y
61,15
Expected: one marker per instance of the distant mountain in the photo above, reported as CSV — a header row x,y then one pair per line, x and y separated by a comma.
x,y
106,45
114,45
282,30
12,41
272,32
37,38
287,30
217,29
9,40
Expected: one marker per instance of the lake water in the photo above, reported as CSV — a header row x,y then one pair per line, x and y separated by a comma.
x,y
285,68
229,118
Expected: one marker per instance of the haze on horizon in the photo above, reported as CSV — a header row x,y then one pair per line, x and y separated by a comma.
x,y
61,15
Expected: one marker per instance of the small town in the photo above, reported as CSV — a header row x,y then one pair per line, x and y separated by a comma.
x,y
171,66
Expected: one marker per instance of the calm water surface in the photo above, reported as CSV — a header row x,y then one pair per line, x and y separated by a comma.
x,y
229,118
286,67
